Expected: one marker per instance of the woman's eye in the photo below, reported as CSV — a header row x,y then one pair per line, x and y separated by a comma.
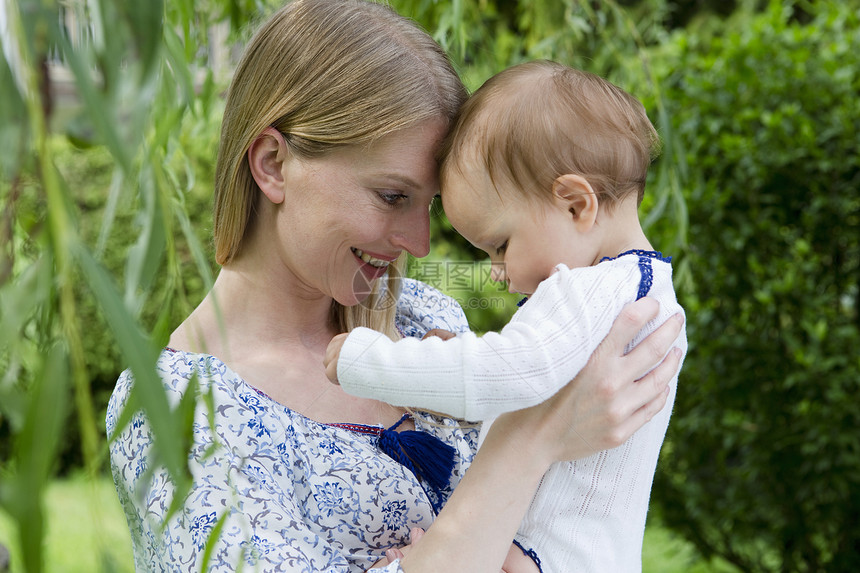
x,y
391,197
501,248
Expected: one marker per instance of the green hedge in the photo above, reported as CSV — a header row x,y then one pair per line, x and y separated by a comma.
x,y
762,464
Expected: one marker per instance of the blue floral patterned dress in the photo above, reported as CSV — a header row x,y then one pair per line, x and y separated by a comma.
x,y
294,494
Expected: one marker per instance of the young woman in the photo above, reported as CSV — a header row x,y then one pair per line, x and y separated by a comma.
x,y
326,171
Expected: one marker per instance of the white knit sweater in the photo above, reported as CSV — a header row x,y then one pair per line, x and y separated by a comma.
x,y
587,515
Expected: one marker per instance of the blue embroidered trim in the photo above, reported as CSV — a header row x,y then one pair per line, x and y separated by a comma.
x,y
644,267
641,253
530,553
358,428
647,276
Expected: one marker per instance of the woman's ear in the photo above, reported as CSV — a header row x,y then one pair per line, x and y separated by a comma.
x,y
575,194
266,157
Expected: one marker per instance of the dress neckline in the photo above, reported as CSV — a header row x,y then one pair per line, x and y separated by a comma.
x,y
364,429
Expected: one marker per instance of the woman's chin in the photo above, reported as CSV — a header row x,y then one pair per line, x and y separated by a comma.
x,y
362,286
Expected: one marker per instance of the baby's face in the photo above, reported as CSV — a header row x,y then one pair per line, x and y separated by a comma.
x,y
525,238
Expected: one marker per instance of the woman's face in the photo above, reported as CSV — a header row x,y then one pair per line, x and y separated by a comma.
x,y
350,213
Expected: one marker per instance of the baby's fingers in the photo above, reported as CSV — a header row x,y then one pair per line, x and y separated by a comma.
x,y
439,333
332,354
415,534
393,554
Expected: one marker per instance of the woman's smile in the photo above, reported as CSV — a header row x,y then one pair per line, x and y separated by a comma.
x,y
371,267
371,260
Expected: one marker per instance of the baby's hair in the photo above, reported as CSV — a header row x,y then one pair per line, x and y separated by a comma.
x,y
536,121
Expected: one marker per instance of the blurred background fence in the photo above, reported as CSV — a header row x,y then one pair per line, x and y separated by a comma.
x,y
109,118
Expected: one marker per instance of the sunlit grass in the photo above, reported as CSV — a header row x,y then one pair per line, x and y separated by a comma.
x,y
86,529
87,533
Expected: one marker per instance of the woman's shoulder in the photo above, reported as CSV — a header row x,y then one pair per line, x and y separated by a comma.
x,y
422,307
174,370
240,407
177,367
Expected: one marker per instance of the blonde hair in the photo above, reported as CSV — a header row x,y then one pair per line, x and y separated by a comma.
x,y
327,74
536,121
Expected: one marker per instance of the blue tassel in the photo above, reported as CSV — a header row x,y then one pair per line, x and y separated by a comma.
x,y
428,457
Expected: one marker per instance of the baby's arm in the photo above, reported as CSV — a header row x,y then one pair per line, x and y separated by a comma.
x,y
332,352
475,378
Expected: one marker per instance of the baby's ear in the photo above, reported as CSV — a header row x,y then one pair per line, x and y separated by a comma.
x,y
266,157
574,194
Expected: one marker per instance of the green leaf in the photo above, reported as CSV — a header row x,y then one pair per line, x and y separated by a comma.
x,y
145,20
139,354
99,110
147,253
35,454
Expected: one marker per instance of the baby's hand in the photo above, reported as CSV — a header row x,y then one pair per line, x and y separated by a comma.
x,y
332,353
395,553
443,334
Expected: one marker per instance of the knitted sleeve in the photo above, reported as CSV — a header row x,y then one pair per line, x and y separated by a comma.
x,y
545,345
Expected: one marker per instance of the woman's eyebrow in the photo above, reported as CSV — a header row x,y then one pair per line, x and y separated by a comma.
x,y
402,179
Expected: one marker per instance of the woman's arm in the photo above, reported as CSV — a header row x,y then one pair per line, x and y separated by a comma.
x,y
602,407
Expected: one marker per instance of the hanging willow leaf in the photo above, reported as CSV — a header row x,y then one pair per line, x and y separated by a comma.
x,y
99,110
140,354
147,253
145,19
13,118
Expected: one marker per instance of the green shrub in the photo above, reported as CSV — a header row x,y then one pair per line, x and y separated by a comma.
x,y
762,463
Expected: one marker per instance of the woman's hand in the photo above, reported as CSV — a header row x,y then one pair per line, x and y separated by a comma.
x,y
611,398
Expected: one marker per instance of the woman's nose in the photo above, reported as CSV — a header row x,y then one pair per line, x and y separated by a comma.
x,y
413,233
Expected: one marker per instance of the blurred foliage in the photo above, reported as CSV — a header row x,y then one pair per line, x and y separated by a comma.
x,y
105,227
91,275
762,465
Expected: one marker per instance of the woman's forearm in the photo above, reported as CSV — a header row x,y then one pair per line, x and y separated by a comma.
x,y
475,528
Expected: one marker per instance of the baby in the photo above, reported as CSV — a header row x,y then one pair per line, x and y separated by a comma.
x,y
544,170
